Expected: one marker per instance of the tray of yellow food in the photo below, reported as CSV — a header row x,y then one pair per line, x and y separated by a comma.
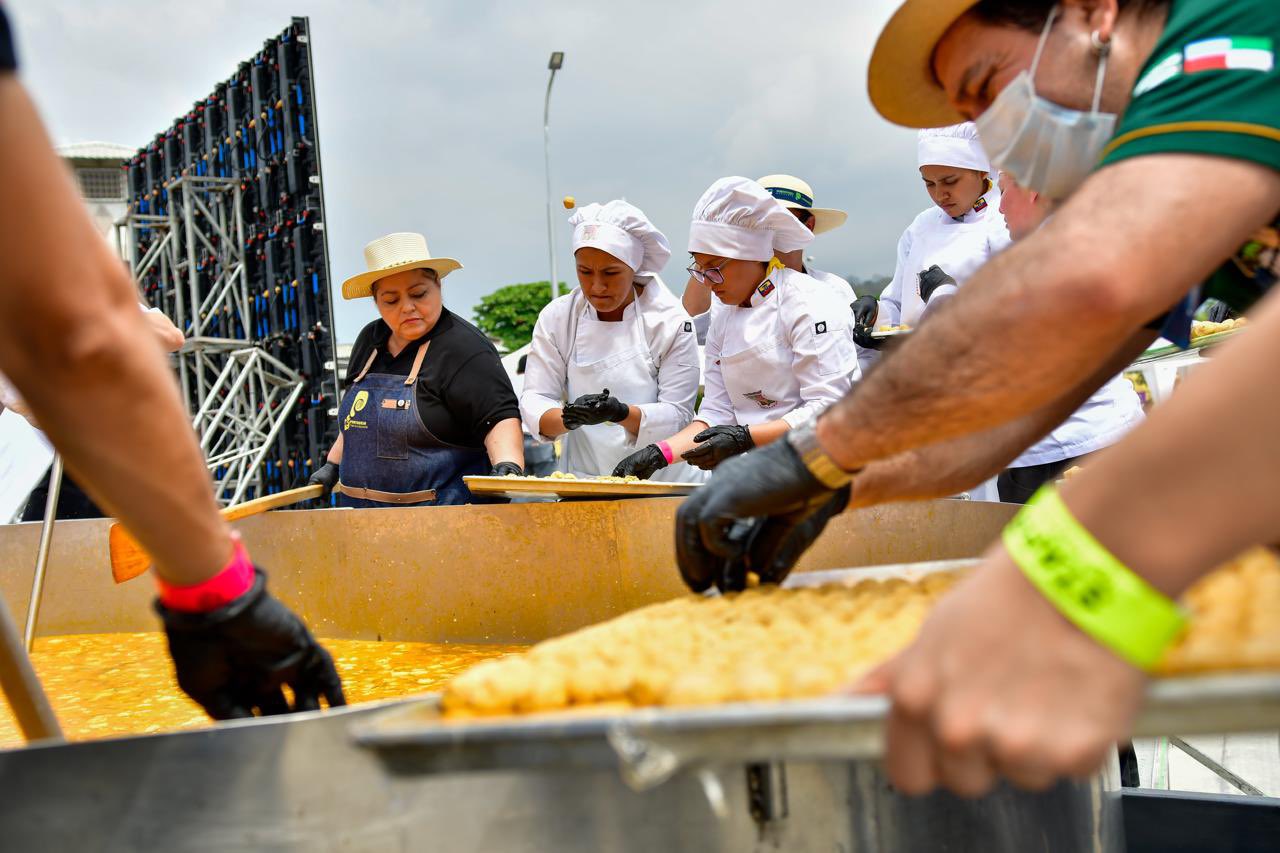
x,y
883,332
1203,336
757,676
563,485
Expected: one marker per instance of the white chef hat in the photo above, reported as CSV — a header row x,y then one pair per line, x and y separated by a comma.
x,y
956,146
622,230
737,218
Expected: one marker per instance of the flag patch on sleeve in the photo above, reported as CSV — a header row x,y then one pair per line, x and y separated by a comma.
x,y
1235,53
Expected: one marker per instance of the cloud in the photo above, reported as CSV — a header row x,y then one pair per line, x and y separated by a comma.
x,y
431,114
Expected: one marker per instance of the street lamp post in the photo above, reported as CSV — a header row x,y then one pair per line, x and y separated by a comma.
x,y
556,63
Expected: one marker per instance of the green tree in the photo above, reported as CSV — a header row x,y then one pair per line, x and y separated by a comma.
x,y
508,314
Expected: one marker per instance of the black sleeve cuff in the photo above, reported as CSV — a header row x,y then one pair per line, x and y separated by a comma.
x,y
8,57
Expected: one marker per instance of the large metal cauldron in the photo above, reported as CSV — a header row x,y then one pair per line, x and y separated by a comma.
x,y
499,574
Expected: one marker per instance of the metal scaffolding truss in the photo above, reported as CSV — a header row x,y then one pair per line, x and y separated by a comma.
x,y
240,397
245,407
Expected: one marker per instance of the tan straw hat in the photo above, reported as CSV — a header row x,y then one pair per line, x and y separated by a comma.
x,y
392,254
900,79
798,195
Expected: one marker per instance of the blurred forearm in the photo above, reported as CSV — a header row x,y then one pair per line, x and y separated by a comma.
x,y
83,357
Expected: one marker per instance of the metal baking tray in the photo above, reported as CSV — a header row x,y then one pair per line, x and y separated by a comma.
x,y
651,744
513,487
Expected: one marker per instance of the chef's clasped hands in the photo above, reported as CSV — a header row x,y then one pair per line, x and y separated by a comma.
x,y
592,409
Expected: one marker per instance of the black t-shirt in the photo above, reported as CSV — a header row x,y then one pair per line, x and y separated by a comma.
x,y
8,59
463,389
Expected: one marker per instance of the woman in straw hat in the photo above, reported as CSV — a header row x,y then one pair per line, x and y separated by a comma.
x,y
613,364
427,399
947,243
779,350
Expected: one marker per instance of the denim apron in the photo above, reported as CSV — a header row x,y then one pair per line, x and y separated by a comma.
x,y
389,458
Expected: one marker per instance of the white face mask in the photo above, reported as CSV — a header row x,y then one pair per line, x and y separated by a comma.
x,y
1045,147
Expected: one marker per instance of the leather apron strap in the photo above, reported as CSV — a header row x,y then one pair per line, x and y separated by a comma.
x,y
417,364
388,497
368,364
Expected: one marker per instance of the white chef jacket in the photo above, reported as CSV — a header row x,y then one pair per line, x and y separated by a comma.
x,y
1103,420
569,328
959,246
788,356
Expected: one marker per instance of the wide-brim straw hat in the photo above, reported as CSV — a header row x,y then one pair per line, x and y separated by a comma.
x,y
900,78
796,194
392,254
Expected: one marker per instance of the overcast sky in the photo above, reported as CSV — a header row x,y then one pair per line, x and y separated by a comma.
x,y
430,114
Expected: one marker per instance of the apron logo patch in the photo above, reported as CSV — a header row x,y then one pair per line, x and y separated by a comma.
x,y
766,287
760,399
357,405
820,328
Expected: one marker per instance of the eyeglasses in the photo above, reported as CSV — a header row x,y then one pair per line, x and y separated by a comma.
x,y
710,274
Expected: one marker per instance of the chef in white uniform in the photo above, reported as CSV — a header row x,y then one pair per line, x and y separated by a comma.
x,y
779,349
959,233
614,364
796,195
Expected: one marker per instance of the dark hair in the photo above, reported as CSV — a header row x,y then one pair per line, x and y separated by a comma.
x,y
431,274
1031,14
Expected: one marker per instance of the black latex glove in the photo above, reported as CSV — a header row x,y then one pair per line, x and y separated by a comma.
x,y
234,660
591,409
865,309
931,279
502,469
326,475
862,337
759,513
644,463
717,444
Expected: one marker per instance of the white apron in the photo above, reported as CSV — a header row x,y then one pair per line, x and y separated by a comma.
x,y
619,360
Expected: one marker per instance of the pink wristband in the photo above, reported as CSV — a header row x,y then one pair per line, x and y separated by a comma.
x,y
226,586
667,453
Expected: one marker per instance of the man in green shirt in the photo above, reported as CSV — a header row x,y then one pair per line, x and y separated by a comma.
x,y
1189,177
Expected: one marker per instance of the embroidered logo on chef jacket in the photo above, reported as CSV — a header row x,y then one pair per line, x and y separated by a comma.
x,y
980,205
820,328
766,287
760,399
688,327
357,405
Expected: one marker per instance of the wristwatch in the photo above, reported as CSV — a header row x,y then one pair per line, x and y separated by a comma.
x,y
804,441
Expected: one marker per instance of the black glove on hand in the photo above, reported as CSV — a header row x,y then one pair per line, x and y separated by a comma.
x,y
865,309
644,463
759,513
326,475
591,409
862,337
931,279
502,469
717,444
235,659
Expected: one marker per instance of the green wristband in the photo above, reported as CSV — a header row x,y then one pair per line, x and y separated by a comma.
x,y
1088,585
